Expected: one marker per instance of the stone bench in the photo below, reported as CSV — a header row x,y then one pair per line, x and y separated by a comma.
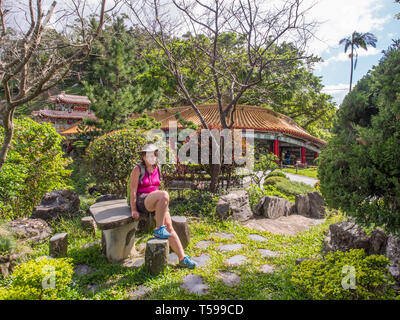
x,y
114,218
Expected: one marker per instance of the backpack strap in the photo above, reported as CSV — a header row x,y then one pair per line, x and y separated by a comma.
x,y
142,172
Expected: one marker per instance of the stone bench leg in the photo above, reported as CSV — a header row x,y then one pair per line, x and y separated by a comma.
x,y
120,242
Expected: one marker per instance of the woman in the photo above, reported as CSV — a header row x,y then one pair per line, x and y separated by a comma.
x,y
145,198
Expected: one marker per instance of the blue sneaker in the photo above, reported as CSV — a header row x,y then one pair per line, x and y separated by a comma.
x,y
187,262
161,232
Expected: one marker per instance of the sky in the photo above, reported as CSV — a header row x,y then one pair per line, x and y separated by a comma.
x,y
338,19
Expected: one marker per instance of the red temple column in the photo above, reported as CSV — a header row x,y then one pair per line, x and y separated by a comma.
x,y
303,155
315,155
276,148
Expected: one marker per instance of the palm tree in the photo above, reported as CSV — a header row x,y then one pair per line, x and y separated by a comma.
x,y
355,41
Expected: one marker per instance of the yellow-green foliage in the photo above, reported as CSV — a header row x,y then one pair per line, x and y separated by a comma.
x,y
323,279
40,278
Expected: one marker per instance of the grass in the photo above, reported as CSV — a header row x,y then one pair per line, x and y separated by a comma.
x,y
309,172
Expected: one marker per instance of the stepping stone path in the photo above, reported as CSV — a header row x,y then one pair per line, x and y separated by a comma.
x,y
224,235
267,268
268,253
230,247
173,259
83,270
133,263
236,260
204,244
139,293
201,260
194,284
229,278
257,237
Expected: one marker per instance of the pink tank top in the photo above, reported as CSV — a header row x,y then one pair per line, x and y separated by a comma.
x,y
146,186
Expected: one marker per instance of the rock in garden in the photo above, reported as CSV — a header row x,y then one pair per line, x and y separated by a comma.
x,y
273,207
83,270
267,268
35,230
344,236
58,245
236,260
392,252
139,293
201,260
204,244
230,247
268,253
107,197
89,224
256,237
56,204
317,209
229,278
194,284
181,227
235,205
156,256
302,205
377,242
223,235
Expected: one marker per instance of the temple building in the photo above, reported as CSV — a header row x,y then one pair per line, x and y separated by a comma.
x,y
69,110
272,131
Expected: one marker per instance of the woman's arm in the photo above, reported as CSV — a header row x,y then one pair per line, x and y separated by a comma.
x,y
133,187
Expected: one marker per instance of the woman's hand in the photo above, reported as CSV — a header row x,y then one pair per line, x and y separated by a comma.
x,y
135,214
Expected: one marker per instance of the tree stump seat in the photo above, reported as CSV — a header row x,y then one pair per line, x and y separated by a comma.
x,y
118,227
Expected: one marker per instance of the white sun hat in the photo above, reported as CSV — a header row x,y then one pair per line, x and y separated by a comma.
x,y
149,148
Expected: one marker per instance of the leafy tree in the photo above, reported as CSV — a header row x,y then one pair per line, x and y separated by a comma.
x,y
357,40
114,85
359,170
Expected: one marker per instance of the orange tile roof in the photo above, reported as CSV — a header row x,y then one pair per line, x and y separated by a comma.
x,y
245,117
74,129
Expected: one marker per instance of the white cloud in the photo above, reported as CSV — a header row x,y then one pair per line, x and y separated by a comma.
x,y
340,18
337,91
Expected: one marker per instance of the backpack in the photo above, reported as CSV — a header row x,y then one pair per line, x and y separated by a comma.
x,y
141,176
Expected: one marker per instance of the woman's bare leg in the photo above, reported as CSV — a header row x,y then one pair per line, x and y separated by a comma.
x,y
157,201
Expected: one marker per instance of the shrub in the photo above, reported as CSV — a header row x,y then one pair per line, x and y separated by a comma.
x,y
35,165
275,174
256,193
195,203
323,279
293,188
37,279
110,158
359,170
7,244
274,180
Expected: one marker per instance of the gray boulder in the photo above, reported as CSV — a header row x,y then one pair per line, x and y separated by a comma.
x,y
235,205
317,209
392,251
310,205
56,204
274,207
344,236
302,205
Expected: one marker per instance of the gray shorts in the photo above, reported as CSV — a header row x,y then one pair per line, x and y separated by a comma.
x,y
140,203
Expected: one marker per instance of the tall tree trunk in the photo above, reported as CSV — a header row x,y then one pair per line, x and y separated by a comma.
x,y
8,133
351,71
